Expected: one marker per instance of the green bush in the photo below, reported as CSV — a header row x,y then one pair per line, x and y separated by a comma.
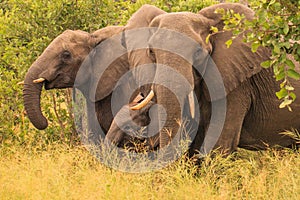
x,y
26,29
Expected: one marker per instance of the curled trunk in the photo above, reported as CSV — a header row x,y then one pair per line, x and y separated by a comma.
x,y
32,96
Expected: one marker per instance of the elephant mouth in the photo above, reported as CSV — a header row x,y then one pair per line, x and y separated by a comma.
x,y
60,82
52,85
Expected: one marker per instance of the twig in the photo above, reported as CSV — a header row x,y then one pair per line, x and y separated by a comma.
x,y
62,135
70,112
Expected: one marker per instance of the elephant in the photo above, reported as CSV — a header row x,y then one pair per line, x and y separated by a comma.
x,y
125,129
245,94
57,67
59,64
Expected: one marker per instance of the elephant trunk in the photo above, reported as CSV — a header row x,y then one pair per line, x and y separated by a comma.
x,y
170,118
31,96
174,76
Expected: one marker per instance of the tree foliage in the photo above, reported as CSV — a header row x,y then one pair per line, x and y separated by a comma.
x,y
277,26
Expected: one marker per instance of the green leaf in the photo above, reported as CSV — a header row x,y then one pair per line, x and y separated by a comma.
x,y
255,46
286,44
266,64
276,49
293,96
293,74
237,16
290,64
214,29
280,76
277,6
286,29
228,43
282,93
236,31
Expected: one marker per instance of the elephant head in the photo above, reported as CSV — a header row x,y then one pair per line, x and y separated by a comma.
x,y
57,67
178,58
127,123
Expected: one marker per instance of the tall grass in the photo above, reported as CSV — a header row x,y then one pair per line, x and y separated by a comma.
x,y
60,172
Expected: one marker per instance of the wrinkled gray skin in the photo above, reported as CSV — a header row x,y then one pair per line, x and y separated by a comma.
x,y
253,117
123,130
61,60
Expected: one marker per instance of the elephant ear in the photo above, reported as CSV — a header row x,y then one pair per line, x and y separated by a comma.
x,y
104,65
108,64
237,63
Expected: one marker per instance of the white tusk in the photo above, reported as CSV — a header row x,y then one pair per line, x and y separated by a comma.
x,y
138,98
39,80
192,104
144,102
20,83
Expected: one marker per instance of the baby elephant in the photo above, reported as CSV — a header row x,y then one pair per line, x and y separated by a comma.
x,y
128,129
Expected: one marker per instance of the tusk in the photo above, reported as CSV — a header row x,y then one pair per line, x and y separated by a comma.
x,y
192,104
138,98
144,102
39,80
20,83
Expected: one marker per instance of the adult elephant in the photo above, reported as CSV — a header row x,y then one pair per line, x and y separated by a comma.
x,y
252,117
58,65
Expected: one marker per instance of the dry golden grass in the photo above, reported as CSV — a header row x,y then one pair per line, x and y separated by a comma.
x,y
61,172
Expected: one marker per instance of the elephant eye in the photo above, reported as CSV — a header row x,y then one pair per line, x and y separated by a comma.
x,y
150,53
66,55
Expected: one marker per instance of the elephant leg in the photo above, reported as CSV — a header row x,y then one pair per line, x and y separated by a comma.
x,y
238,103
197,142
93,135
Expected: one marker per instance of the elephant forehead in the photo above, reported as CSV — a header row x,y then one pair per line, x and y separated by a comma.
x,y
189,24
181,20
177,43
70,36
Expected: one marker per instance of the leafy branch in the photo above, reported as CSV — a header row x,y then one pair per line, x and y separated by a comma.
x,y
276,26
